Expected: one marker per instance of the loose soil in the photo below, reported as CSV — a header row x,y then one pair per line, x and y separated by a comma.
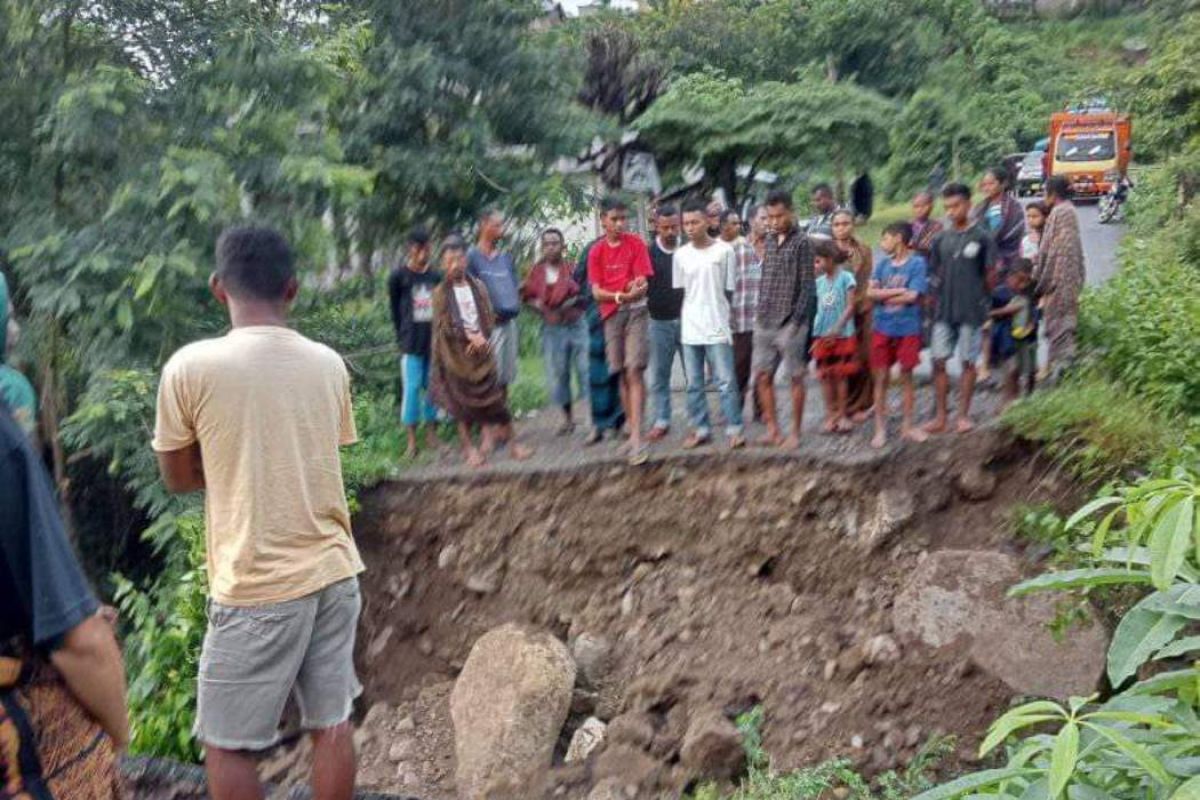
x,y
721,581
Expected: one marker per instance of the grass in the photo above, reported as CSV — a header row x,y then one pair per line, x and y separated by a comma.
x,y
885,215
1099,430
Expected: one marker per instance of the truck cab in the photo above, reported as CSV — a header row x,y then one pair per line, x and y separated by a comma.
x,y
1091,149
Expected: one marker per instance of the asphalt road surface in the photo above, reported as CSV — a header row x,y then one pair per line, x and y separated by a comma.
x,y
1100,244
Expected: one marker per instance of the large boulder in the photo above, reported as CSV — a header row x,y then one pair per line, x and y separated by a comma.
x,y
508,706
960,596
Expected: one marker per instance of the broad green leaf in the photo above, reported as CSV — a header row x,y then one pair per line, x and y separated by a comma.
x,y
1079,578
1091,508
1141,755
1008,724
1170,542
1100,536
1140,556
1080,791
976,780
1132,717
1189,790
1179,647
1140,633
1062,759
1038,790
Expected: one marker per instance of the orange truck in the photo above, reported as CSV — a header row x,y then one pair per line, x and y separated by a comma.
x,y
1092,149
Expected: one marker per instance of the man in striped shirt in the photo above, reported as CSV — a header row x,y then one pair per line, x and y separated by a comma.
x,y
748,271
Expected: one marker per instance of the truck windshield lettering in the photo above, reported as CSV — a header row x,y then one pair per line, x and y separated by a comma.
x,y
1086,147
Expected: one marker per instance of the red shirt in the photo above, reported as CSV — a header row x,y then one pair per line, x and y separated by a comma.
x,y
614,268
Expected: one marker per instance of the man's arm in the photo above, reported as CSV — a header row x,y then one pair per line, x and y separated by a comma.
x,y
808,284
90,663
182,470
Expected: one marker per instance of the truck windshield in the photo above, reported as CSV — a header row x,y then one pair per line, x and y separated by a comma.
x,y
1086,147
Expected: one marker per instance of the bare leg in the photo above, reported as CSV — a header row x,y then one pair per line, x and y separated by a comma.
x,y
1012,386
766,400
966,390
473,457
232,775
941,386
636,407
333,763
799,395
832,414
841,397
410,449
431,438
908,429
881,389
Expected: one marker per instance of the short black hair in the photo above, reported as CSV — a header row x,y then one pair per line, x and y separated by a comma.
x,y
827,248
695,206
453,244
1039,206
999,173
489,212
823,188
1059,186
956,190
612,203
419,236
779,197
727,213
901,229
1023,266
668,210
255,263
554,232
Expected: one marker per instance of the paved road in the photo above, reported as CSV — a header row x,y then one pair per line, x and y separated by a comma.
x,y
552,452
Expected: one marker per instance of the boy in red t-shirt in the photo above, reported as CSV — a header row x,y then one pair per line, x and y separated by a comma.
x,y
618,268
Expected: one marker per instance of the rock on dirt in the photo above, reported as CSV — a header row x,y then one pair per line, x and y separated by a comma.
x,y
894,509
712,747
585,740
976,483
957,596
594,659
508,706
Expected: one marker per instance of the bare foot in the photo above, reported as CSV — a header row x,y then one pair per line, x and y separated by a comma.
x,y
695,440
879,440
771,439
737,442
520,452
791,443
410,452
935,426
914,435
860,417
964,425
475,459
829,425
844,425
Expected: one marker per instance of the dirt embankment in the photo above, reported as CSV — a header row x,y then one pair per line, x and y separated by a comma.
x,y
720,583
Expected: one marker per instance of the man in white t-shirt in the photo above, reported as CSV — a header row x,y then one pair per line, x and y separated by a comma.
x,y
706,270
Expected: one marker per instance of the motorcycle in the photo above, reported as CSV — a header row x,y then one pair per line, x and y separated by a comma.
x,y
1112,204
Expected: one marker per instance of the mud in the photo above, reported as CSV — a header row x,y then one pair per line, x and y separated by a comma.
x,y
720,582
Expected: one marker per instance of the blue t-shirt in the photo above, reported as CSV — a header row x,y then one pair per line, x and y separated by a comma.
x,y
499,276
994,214
912,275
831,304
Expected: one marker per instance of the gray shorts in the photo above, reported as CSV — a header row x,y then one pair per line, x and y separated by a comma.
x,y
627,338
964,340
253,657
788,344
504,341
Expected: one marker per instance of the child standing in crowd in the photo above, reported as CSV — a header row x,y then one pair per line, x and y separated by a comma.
x,y
835,346
410,289
898,285
1014,330
1035,221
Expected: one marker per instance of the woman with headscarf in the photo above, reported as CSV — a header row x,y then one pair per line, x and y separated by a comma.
x,y
463,378
860,261
604,386
1060,273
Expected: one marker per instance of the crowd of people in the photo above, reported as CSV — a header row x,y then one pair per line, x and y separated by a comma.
x,y
260,413
741,304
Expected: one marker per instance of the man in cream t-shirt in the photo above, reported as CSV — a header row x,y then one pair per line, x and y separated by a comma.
x,y
255,419
706,270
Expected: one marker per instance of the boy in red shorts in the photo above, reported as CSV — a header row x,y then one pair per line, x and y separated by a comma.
x,y
897,284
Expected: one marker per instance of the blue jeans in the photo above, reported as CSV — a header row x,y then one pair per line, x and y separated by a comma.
x,y
565,347
720,359
415,405
664,344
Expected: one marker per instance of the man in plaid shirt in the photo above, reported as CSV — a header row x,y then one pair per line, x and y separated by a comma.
x,y
786,304
745,297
